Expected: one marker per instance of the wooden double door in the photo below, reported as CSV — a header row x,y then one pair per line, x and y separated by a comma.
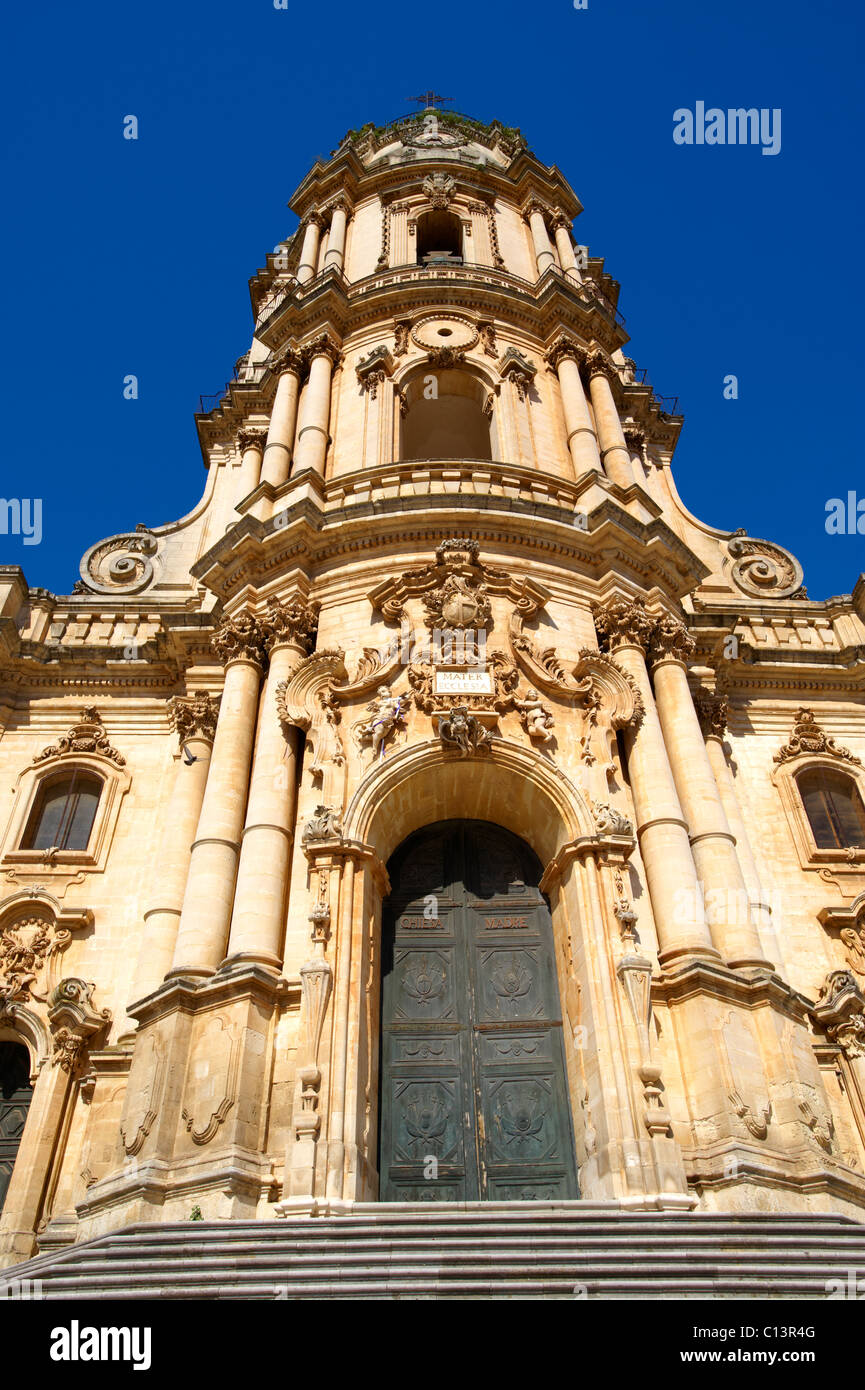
x,y
15,1096
474,1097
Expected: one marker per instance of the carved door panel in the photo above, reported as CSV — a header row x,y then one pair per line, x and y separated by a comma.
x,y
474,1097
15,1096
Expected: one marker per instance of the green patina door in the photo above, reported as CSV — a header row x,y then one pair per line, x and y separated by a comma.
x,y
15,1096
474,1100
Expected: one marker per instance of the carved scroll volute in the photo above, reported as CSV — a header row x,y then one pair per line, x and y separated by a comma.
x,y
595,682
307,701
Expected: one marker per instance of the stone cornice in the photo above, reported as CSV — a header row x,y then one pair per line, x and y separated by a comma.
x,y
255,552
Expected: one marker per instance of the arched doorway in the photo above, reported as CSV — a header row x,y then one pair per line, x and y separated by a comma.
x,y
474,1101
15,1096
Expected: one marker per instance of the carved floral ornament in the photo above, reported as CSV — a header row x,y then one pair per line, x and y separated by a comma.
x,y
453,595
34,930
625,622
193,715
809,738
86,736
244,637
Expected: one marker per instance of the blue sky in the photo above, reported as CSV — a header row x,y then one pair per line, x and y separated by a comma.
x,y
133,257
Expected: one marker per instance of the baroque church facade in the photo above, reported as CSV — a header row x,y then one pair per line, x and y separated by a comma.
x,y
439,812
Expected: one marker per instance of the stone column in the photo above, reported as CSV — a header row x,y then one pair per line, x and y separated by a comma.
x,y
567,259
194,722
615,454
206,913
335,257
309,250
283,420
250,442
564,358
312,435
712,714
534,215
712,842
661,827
262,876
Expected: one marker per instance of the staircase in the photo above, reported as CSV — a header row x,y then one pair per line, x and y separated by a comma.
x,y
526,1250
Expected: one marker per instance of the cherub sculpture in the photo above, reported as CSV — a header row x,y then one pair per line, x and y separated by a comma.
x,y
536,718
463,731
386,712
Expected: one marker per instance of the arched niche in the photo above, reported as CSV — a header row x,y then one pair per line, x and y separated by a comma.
x,y
447,415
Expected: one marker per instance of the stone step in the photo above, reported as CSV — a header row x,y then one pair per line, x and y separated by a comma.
x,y
401,1252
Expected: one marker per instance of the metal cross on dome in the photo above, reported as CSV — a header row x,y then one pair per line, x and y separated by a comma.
x,y
429,99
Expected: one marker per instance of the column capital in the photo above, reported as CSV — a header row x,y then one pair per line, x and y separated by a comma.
x,y
558,219
564,346
671,641
191,715
240,638
322,346
599,364
624,622
712,713
251,438
314,218
635,435
290,360
338,204
532,205
290,624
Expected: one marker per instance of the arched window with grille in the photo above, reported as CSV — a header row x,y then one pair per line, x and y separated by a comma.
x,y
63,812
834,808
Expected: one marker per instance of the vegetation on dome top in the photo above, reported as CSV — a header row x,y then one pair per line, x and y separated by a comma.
x,y
454,121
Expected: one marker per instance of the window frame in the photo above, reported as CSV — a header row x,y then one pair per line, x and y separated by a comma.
x,y
811,856
28,787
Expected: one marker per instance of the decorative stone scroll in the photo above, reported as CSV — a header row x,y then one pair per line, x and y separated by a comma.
x,y
763,569
455,589
513,366
808,737
840,1010
87,736
74,1021
34,930
374,370
122,564
324,824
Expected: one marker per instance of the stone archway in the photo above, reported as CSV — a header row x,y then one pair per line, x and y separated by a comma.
x,y
473,1094
510,787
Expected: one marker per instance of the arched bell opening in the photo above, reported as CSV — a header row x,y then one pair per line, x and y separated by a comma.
x,y
447,416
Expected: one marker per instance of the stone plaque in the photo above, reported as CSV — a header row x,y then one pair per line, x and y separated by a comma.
x,y
471,682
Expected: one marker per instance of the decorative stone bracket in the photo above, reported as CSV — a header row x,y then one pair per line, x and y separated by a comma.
x,y
74,1022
